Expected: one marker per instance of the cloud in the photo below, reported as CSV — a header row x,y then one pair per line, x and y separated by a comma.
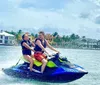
x,y
97,2
4,6
63,16
84,15
43,4
97,20
93,33
98,30
51,30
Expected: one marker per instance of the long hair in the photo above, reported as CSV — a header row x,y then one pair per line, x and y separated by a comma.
x,y
23,36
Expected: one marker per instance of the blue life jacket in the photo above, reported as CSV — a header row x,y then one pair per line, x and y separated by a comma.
x,y
28,42
26,51
37,48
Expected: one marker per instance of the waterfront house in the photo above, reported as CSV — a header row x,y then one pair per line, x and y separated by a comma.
x,y
7,39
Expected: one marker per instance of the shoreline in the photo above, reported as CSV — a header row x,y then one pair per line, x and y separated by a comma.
x,y
78,48
82,48
55,47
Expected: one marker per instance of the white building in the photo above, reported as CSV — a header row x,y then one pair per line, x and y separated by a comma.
x,y
7,39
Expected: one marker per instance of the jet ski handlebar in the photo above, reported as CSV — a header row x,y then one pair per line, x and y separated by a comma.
x,y
56,55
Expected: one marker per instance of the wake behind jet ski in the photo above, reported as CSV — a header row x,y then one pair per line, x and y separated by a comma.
x,y
57,70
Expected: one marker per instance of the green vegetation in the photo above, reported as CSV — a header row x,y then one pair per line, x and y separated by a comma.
x,y
65,38
65,41
18,35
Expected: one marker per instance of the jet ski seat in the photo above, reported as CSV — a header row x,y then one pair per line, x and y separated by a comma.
x,y
50,63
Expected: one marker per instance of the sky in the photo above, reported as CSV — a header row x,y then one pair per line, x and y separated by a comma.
x,y
81,17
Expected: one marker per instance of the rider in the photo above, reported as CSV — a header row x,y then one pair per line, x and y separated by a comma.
x,y
26,50
40,44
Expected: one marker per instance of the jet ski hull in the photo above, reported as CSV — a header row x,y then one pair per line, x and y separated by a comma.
x,y
57,74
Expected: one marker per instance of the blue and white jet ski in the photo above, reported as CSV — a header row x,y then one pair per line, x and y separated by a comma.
x,y
57,70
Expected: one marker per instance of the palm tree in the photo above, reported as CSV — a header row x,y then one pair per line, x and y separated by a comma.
x,y
32,36
55,34
73,36
19,36
84,39
36,35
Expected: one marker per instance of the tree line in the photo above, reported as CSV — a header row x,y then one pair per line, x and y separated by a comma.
x,y
65,38
56,37
70,41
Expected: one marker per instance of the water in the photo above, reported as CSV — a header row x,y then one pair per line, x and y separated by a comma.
x,y
89,59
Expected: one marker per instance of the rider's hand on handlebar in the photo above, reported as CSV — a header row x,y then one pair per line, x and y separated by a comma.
x,y
58,52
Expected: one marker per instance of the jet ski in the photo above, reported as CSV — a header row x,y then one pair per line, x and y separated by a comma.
x,y
57,70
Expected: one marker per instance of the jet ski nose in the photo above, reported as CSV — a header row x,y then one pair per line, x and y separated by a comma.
x,y
82,70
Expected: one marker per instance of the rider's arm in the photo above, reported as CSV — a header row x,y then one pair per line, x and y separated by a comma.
x,y
33,44
52,48
27,46
41,46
